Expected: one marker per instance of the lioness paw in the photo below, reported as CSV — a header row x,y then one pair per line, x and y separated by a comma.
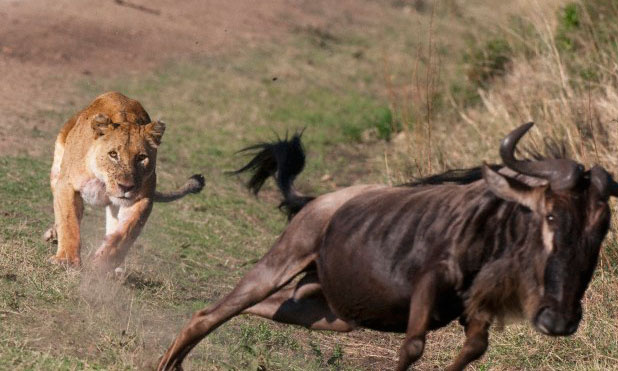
x,y
51,235
106,261
65,262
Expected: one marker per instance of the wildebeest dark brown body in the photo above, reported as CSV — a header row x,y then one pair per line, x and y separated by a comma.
x,y
390,231
522,240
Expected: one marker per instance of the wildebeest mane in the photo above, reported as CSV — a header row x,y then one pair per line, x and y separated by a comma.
x,y
455,176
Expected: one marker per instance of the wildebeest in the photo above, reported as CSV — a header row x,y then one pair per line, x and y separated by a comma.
x,y
521,238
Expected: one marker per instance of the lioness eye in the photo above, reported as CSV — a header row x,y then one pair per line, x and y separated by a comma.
x,y
113,155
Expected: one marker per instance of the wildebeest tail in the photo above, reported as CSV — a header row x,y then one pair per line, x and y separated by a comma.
x,y
283,159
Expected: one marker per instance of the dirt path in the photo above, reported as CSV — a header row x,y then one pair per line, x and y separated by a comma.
x,y
45,47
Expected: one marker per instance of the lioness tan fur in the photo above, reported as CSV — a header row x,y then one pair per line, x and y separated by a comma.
x,y
105,155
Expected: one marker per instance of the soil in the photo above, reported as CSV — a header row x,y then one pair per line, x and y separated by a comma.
x,y
46,46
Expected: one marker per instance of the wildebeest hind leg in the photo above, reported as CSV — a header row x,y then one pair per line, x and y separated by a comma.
x,y
277,268
302,304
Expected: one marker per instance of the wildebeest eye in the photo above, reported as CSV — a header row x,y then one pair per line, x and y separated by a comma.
x,y
550,217
141,157
113,155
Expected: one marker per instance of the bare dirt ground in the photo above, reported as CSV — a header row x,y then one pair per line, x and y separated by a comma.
x,y
46,46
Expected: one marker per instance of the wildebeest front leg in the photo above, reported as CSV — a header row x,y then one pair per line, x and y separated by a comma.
x,y
302,304
475,345
421,305
277,268
124,225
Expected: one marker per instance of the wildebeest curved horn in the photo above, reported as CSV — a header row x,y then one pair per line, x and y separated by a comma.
x,y
561,173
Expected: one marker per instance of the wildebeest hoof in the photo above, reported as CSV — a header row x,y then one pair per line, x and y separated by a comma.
x,y
166,365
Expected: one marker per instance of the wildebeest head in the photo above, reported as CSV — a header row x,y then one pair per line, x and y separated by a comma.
x,y
572,215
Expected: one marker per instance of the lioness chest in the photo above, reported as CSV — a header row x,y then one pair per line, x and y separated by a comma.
x,y
93,192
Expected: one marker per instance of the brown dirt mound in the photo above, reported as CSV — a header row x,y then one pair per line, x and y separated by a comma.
x,y
46,46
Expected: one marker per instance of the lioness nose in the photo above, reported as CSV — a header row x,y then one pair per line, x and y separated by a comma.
x,y
126,187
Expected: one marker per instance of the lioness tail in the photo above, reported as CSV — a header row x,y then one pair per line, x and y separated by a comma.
x,y
194,185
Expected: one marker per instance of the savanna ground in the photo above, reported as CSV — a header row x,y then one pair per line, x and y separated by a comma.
x,y
386,91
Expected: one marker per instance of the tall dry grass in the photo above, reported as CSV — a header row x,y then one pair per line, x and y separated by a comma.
x,y
570,94
547,84
562,73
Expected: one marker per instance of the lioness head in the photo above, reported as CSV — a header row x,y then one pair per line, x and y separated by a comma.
x,y
124,155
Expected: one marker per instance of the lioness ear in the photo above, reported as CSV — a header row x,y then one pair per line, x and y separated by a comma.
x,y
154,132
511,189
101,124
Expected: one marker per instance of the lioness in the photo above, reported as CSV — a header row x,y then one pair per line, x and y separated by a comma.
x,y
106,155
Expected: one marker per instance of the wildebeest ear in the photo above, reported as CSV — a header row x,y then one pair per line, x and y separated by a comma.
x,y
101,124
154,132
511,189
601,182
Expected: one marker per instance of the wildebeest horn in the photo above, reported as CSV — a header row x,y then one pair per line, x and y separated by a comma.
x,y
561,173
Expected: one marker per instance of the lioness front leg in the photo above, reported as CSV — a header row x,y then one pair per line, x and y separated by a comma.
x,y
68,211
128,222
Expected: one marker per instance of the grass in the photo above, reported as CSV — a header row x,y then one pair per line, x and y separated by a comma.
x,y
362,93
